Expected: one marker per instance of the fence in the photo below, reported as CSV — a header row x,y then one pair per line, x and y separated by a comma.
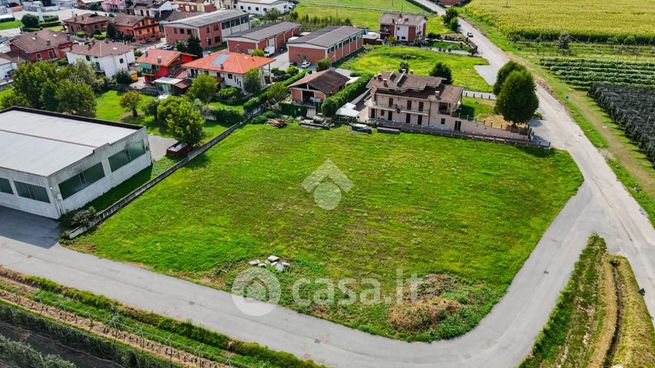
x,y
105,214
482,95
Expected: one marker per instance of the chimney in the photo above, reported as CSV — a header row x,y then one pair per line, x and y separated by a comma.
x,y
47,42
146,53
158,59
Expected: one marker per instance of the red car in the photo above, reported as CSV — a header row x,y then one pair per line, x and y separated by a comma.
x,y
177,150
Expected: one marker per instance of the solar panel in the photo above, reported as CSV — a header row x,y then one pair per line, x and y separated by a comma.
x,y
220,60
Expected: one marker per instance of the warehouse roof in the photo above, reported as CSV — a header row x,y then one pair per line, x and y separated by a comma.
x,y
328,36
206,19
263,32
43,143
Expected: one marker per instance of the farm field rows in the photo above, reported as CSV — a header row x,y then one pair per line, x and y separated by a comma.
x,y
583,19
440,208
584,72
421,61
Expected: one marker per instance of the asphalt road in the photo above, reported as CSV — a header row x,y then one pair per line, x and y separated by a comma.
x,y
503,338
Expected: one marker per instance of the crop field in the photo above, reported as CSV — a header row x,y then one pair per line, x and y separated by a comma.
x,y
443,209
633,108
584,72
585,20
421,61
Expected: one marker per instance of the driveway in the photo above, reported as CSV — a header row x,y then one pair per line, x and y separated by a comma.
x,y
159,145
502,339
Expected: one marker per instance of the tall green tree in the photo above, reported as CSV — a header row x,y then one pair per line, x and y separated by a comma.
x,y
29,78
75,98
277,92
252,81
168,107
203,88
451,13
517,100
504,72
186,123
131,101
111,30
30,21
442,70
193,46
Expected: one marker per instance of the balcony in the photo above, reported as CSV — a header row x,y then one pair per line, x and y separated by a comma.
x,y
398,109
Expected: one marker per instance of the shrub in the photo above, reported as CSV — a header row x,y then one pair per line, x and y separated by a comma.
x,y
151,108
80,34
334,102
323,64
83,217
99,37
123,77
230,95
229,116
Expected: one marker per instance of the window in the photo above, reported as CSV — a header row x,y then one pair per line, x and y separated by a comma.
x,y
216,25
409,105
408,118
458,125
217,39
131,153
5,186
174,30
420,106
420,120
120,61
390,101
33,192
229,76
81,180
443,121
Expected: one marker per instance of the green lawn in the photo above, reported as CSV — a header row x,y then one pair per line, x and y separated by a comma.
x,y
11,24
467,212
478,107
421,61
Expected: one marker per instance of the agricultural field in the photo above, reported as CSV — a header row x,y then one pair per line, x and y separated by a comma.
x,y
362,13
387,58
582,73
582,330
585,20
244,200
633,108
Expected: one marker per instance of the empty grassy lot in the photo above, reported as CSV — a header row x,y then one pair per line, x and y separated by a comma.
x,y
463,215
421,61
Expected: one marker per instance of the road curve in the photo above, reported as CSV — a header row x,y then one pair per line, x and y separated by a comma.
x,y
504,336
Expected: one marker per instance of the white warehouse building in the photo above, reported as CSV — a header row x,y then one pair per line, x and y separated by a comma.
x,y
51,163
260,7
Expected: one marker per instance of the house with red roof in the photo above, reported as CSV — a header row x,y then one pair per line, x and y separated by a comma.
x,y
227,67
45,44
158,63
138,28
89,23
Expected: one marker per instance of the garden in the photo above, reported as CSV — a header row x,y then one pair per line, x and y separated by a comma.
x,y
440,208
388,58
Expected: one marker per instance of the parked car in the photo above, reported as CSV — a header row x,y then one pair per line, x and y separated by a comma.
x,y
168,47
177,150
305,64
362,128
469,34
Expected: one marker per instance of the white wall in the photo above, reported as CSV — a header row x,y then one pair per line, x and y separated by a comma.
x,y
110,65
6,69
260,9
235,81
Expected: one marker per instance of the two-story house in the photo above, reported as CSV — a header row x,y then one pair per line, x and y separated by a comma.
x,y
155,9
115,6
402,98
105,56
45,44
210,28
158,63
137,28
229,68
261,7
89,23
403,27
201,6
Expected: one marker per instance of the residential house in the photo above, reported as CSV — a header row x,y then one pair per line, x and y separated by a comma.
x,y
89,4
155,9
137,28
105,56
201,6
115,6
261,7
334,43
314,88
158,63
227,67
272,35
210,28
45,44
403,27
89,23
407,99
7,66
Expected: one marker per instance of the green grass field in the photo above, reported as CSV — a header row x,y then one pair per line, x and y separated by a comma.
x,y
11,24
477,107
421,61
364,13
469,213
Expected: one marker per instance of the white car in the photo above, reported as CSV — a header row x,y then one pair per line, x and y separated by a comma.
x,y
469,35
305,64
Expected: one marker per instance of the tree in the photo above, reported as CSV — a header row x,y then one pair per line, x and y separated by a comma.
x,y
30,21
277,92
123,77
252,81
111,30
193,46
186,123
272,14
12,99
453,25
323,64
181,46
504,72
130,101
442,70
75,98
168,107
451,13
203,88
517,100
80,72
563,41
258,52
29,78
404,66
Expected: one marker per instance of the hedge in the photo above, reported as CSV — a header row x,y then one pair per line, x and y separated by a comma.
x,y
352,91
229,116
23,355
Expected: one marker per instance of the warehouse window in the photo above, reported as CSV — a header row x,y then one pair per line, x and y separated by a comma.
x,y
81,180
5,186
131,153
30,191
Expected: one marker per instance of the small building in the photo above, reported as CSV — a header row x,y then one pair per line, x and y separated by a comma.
x,y
51,164
201,6
89,23
45,44
155,9
261,7
314,88
137,28
210,28
227,67
158,63
105,56
403,27
334,43
273,35
89,4
7,66
114,6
